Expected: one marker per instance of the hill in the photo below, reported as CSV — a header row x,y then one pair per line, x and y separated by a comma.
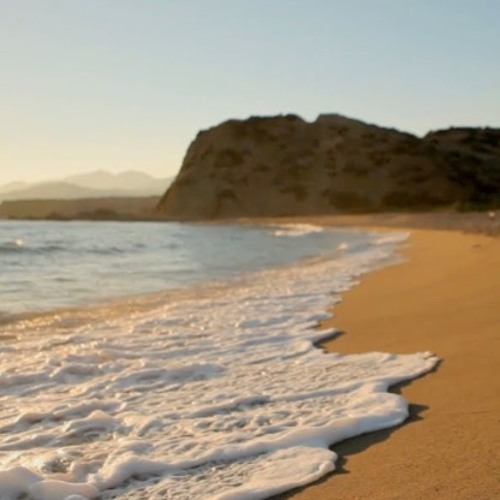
x,y
283,165
130,180
98,184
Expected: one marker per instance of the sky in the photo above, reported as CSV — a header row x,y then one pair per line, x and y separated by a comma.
x,y
127,84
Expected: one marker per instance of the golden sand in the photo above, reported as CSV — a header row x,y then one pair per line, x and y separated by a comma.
x,y
445,298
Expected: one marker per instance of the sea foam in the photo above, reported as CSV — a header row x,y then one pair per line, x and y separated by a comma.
x,y
296,230
218,395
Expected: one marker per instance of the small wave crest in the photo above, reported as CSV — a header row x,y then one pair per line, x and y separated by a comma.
x,y
295,230
20,246
12,246
107,251
390,239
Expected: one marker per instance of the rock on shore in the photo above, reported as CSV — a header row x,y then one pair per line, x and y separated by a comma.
x,y
283,165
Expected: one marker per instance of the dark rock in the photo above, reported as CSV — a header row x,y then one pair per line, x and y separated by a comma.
x,y
283,165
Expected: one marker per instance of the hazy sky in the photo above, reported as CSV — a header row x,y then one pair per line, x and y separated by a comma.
x,y
127,84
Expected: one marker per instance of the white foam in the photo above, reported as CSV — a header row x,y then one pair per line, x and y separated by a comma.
x,y
390,238
219,396
61,490
295,230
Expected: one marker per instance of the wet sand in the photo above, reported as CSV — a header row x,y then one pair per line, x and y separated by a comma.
x,y
445,298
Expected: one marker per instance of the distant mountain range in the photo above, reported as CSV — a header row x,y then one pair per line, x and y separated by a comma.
x,y
97,184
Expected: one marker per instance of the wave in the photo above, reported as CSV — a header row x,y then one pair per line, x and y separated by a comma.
x,y
390,238
12,246
18,247
295,230
105,251
217,395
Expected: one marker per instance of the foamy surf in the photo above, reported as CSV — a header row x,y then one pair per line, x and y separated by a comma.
x,y
295,230
218,396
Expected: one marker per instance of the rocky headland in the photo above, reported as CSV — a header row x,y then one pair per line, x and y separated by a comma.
x,y
284,165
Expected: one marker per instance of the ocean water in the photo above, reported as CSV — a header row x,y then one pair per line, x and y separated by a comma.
x,y
172,361
47,265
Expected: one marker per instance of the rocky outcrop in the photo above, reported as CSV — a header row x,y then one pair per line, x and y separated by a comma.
x,y
472,158
283,165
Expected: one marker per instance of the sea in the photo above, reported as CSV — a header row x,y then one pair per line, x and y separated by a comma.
x,y
147,360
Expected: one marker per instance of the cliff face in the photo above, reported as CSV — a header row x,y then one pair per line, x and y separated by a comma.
x,y
285,166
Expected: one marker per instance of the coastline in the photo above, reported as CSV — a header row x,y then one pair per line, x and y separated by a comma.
x,y
470,222
444,298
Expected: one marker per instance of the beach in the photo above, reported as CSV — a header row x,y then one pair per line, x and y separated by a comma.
x,y
444,298
211,390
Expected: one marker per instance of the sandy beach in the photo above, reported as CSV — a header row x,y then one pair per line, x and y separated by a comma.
x,y
444,298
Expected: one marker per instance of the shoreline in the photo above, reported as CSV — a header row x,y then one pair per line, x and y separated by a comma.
x,y
485,222
444,298
118,361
